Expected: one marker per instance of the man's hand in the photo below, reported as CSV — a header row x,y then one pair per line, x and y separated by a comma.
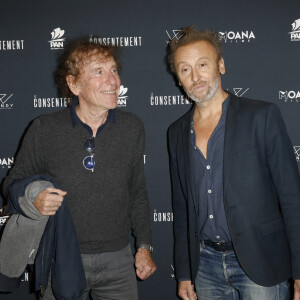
x,y
145,266
49,201
297,289
186,290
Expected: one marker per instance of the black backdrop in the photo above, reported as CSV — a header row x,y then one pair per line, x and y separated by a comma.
x,y
261,51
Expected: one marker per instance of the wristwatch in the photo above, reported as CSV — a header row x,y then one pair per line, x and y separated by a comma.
x,y
147,247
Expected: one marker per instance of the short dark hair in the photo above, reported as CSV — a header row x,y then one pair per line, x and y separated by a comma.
x,y
77,52
189,35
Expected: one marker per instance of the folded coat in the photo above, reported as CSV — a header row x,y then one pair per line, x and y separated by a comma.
x,y
58,249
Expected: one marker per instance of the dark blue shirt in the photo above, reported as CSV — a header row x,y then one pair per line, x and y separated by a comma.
x,y
75,119
208,172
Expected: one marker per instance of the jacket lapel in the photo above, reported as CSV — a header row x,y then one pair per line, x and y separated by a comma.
x,y
232,119
187,152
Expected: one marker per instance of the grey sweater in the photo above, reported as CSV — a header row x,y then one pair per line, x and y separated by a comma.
x,y
21,236
105,204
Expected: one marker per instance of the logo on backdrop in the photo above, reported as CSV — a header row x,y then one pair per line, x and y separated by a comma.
x,y
26,277
122,101
3,219
297,153
156,100
50,102
6,162
166,216
295,33
11,45
173,34
291,96
226,36
239,92
173,272
57,40
236,36
121,41
5,101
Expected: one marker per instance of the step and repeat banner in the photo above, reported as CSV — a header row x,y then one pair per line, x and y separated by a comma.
x,y
261,41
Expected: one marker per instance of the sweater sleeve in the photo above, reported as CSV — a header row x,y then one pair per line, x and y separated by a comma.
x,y
29,160
140,210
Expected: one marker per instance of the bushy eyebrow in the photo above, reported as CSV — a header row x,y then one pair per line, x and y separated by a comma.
x,y
99,67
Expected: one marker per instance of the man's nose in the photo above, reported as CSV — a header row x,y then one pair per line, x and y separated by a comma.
x,y
195,76
112,78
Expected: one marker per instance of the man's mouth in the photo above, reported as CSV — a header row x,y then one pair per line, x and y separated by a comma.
x,y
199,86
109,92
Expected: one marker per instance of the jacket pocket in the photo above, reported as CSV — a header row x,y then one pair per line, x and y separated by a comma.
x,y
272,227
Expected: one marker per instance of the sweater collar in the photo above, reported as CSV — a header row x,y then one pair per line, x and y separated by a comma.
x,y
75,119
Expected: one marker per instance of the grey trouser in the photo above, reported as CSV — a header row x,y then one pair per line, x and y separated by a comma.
x,y
109,276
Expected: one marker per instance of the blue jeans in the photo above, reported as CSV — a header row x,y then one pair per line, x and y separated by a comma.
x,y
220,276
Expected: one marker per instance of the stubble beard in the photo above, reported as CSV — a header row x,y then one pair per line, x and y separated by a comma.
x,y
210,94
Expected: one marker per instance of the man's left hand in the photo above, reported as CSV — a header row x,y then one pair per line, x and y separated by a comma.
x,y
145,266
297,289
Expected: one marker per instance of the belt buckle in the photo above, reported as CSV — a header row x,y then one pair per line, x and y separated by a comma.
x,y
222,247
221,244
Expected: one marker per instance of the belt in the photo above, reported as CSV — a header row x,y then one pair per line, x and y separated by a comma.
x,y
218,246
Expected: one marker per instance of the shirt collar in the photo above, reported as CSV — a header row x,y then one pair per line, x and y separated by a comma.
x,y
224,108
224,111
111,117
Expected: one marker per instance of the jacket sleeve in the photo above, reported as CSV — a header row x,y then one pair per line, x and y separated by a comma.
x,y
285,175
179,201
140,210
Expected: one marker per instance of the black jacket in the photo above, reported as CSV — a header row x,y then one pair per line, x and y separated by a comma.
x,y
261,193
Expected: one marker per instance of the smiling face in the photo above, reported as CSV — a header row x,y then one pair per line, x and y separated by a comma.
x,y
98,83
198,70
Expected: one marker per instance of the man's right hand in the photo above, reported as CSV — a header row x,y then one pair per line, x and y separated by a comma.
x,y
186,290
49,201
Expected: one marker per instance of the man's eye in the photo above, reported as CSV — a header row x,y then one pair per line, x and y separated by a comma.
x,y
114,70
97,73
185,70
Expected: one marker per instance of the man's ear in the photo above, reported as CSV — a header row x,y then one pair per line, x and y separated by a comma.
x,y
221,66
72,84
